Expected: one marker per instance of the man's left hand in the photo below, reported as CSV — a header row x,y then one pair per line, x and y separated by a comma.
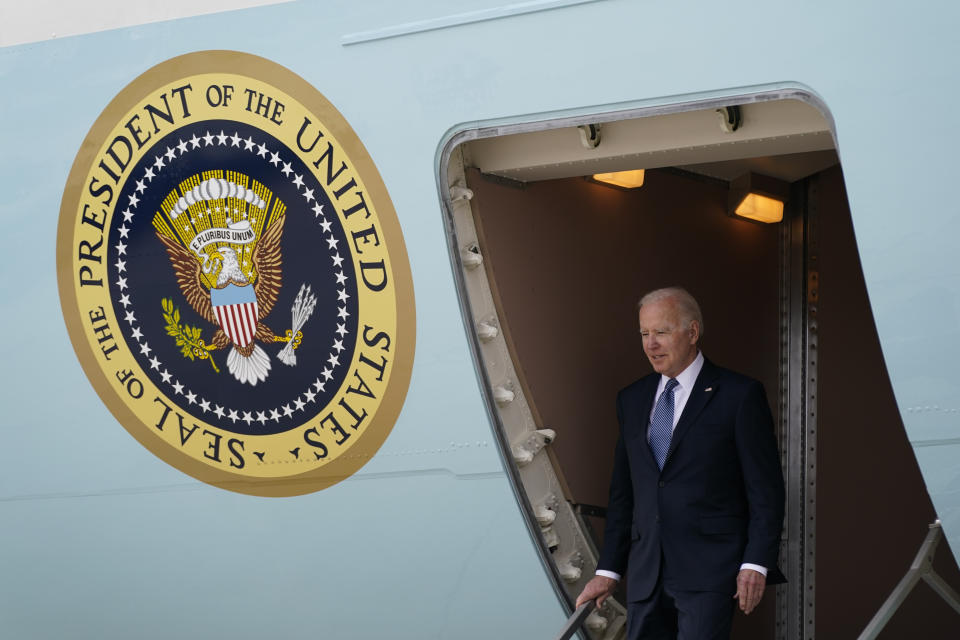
x,y
750,585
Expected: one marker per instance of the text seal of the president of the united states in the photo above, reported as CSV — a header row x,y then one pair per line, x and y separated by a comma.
x,y
234,278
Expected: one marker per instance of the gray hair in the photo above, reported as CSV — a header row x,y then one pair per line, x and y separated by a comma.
x,y
687,305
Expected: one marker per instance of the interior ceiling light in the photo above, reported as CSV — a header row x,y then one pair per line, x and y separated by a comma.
x,y
757,197
624,179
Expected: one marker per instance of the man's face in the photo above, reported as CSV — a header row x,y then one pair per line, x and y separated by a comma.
x,y
669,342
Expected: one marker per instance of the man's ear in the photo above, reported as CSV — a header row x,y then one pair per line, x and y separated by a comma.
x,y
694,331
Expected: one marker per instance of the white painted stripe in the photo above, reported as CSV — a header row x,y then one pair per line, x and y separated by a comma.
x,y
235,333
226,324
251,319
245,321
237,325
216,310
241,326
39,20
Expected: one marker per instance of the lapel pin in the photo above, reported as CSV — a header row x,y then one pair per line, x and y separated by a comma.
x,y
708,389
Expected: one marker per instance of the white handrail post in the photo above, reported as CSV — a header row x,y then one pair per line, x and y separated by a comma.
x,y
576,620
920,569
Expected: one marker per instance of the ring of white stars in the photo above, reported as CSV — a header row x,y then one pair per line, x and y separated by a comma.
x,y
306,398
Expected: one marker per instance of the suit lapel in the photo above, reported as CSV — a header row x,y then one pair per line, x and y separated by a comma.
x,y
703,390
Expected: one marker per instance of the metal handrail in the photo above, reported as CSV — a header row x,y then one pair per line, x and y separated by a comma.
x,y
576,620
920,569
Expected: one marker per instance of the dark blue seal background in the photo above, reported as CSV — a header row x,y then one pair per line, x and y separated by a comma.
x,y
307,258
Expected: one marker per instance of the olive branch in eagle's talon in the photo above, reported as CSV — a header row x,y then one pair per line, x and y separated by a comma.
x,y
188,338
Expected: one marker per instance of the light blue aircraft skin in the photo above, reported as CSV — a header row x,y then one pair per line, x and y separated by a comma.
x,y
101,539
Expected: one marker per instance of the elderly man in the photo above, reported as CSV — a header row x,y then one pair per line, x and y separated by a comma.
x,y
696,498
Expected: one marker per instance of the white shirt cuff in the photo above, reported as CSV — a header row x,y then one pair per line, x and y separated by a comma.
x,y
616,576
747,565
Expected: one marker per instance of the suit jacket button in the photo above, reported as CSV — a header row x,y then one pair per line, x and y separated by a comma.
x,y
661,484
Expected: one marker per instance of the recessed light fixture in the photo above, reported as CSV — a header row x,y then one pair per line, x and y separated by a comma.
x,y
632,179
756,197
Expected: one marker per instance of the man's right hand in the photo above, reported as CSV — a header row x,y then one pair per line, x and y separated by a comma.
x,y
599,588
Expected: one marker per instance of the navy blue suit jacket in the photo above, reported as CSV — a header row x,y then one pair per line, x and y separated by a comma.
x,y
718,501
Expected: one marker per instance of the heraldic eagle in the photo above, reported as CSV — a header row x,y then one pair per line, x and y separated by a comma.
x,y
246,361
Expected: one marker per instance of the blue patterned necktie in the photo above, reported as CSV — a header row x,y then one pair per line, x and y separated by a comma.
x,y
661,424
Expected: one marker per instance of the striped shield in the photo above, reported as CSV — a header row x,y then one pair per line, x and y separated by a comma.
x,y
236,311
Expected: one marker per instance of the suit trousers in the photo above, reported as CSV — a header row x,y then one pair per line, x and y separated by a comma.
x,y
681,615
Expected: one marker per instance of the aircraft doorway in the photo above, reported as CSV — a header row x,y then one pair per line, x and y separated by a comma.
x,y
551,267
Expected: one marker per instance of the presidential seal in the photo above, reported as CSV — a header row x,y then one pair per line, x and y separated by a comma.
x,y
233,276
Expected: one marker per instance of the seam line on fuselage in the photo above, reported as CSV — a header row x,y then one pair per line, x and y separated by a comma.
x,y
458,19
935,442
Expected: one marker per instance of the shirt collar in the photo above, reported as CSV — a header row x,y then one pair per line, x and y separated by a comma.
x,y
688,376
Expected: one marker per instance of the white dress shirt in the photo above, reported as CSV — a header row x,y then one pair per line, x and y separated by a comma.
x,y
681,393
